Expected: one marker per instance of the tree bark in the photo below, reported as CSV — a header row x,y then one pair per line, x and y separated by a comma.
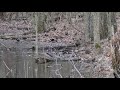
x,y
115,42
41,19
96,23
88,20
87,25
36,47
96,31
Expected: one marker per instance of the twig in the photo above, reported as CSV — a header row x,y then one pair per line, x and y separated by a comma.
x,y
58,73
76,69
4,46
7,74
10,70
116,74
7,66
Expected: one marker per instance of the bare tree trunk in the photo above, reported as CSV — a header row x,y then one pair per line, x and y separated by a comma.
x,y
36,52
87,26
110,30
91,27
41,20
68,14
115,42
113,21
96,24
103,25
115,54
88,20
3,15
19,62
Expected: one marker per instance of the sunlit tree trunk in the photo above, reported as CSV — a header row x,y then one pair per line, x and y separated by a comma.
x,y
36,29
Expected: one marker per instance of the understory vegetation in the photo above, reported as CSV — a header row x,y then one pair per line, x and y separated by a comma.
x,y
59,44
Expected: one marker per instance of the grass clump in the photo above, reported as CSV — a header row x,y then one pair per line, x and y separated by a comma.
x,y
97,46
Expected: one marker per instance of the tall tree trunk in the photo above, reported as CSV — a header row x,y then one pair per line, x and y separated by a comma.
x,y
41,20
103,25
2,15
36,47
115,42
68,14
113,21
88,20
110,30
96,24
87,26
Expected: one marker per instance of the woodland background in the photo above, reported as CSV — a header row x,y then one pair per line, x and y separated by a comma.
x,y
59,44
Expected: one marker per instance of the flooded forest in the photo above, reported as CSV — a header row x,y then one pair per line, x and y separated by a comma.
x,y
59,44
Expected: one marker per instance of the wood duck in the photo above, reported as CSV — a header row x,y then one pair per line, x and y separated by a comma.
x,y
33,48
37,60
41,60
17,39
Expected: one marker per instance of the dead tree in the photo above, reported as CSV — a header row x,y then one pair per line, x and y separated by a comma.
x,y
115,44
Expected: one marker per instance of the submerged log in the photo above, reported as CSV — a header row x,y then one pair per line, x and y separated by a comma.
x,y
53,57
29,45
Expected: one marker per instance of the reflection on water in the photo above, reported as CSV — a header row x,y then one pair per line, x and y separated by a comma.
x,y
16,62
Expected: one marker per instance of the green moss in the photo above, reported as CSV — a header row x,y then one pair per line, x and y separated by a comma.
x,y
41,27
40,31
97,46
34,32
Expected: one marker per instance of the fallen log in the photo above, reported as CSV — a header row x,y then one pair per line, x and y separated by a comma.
x,y
53,57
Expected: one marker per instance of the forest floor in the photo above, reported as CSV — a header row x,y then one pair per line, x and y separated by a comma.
x,y
62,33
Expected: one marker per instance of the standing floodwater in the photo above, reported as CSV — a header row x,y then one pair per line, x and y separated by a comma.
x,y
59,44
18,62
